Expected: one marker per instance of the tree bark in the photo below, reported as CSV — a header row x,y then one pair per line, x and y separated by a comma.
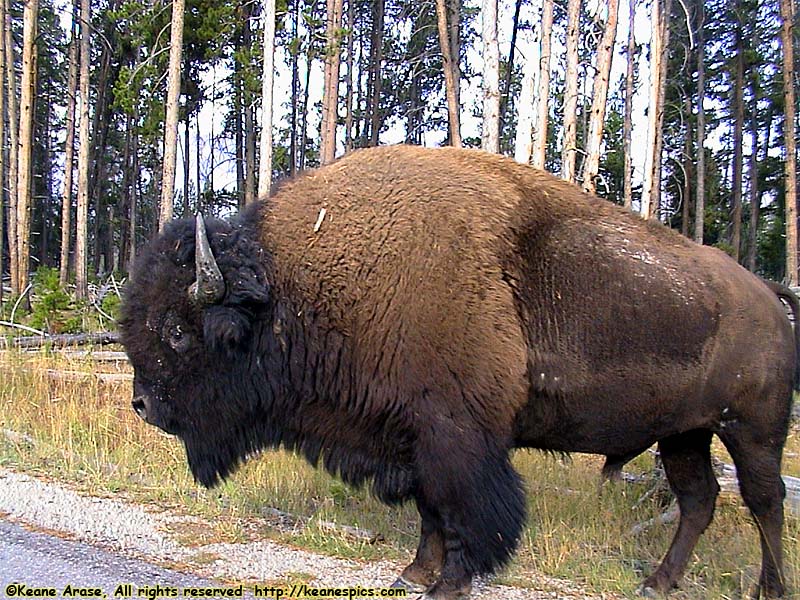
x,y
700,188
790,168
569,150
687,165
13,152
330,100
376,74
171,120
738,134
512,52
526,106
2,141
756,193
449,75
69,150
627,126
348,117
26,116
591,167
490,139
249,117
295,85
265,165
543,104
82,217
652,166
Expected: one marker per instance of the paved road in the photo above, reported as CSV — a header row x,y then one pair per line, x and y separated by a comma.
x,y
39,560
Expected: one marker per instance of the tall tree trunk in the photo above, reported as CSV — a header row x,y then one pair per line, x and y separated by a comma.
x,y
652,166
330,99
13,152
490,139
512,51
526,106
171,121
787,23
454,34
249,116
26,116
82,217
756,193
187,146
304,113
627,126
700,188
662,93
449,75
738,134
597,121
376,73
687,165
238,107
69,150
295,47
134,204
2,141
570,149
543,101
265,166
348,117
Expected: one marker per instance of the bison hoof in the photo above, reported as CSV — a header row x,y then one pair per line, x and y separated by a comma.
x,y
409,586
645,591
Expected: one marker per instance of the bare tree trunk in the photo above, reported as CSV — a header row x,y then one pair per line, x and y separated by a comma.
x,y
2,141
13,152
597,121
265,166
330,101
543,104
738,153
787,23
238,103
348,117
662,93
69,151
687,165
504,95
627,127
652,164
454,34
133,221
526,106
490,139
82,217
449,75
756,193
171,121
26,141
700,191
295,85
187,146
304,113
570,150
376,60
249,117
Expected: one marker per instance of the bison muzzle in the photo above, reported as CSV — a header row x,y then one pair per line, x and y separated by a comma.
x,y
406,317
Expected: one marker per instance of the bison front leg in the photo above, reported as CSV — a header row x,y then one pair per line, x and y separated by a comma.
x,y
469,481
423,571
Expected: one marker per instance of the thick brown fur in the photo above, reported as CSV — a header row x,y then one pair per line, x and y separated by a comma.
x,y
406,317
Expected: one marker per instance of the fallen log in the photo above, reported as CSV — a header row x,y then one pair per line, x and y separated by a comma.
x,y
83,375
60,340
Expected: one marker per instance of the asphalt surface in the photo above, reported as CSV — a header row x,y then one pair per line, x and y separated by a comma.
x,y
31,561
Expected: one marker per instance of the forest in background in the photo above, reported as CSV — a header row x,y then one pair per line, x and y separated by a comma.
x,y
102,100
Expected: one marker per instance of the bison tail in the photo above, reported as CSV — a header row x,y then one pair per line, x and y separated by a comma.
x,y
786,295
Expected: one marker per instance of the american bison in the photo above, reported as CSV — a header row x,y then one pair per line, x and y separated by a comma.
x,y
405,317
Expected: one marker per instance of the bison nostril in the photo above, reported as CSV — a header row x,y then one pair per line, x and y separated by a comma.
x,y
140,407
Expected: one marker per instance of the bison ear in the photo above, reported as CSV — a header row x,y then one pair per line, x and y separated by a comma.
x,y
226,329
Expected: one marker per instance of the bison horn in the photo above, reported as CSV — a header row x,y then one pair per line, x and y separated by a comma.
x,y
209,287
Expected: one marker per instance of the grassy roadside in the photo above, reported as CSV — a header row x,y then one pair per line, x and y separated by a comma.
x,y
81,430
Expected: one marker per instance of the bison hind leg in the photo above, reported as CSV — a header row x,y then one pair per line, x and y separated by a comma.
x,y
758,468
687,464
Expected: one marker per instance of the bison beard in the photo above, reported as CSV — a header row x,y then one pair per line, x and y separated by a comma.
x,y
448,307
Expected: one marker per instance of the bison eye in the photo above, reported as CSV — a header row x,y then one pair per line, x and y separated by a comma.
x,y
174,334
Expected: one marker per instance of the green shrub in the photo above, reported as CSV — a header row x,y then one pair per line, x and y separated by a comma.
x,y
49,303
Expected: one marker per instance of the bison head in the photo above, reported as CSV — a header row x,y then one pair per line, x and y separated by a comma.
x,y
189,319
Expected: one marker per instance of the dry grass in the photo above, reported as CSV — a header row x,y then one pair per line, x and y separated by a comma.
x,y
84,432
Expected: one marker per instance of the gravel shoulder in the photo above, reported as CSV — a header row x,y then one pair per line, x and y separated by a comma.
x,y
147,532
